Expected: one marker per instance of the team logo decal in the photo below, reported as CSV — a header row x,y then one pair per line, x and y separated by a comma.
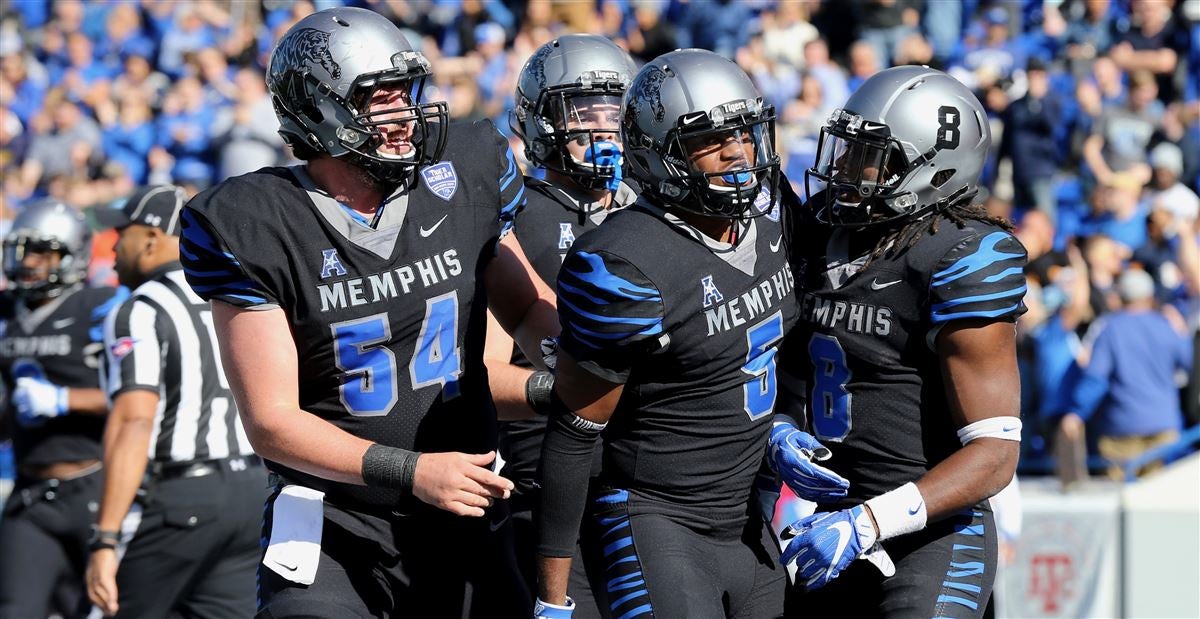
x,y
441,179
123,346
712,296
763,201
306,44
331,264
647,88
565,235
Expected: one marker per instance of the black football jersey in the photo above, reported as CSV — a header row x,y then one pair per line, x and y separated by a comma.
x,y
61,342
691,328
547,227
388,321
866,335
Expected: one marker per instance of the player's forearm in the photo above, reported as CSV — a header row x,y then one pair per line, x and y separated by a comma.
x,y
539,322
126,447
507,382
87,401
553,576
302,441
975,472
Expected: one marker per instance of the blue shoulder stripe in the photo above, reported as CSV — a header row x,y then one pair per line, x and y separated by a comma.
x,y
601,278
510,174
620,320
985,256
991,279
979,298
511,207
946,317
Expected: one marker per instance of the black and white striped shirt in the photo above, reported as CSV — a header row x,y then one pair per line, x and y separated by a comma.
x,y
162,340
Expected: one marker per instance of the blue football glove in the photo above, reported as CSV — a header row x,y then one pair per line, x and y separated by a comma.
x,y
793,454
823,546
545,610
605,154
38,400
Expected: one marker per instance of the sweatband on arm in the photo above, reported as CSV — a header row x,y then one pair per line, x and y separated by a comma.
x,y
899,512
1004,428
389,467
539,392
566,468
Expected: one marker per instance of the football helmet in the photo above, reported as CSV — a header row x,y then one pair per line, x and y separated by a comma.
x,y
694,101
567,84
47,226
910,139
322,76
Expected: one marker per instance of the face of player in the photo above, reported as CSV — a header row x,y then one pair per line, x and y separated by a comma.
x,y
387,106
726,154
601,114
856,164
37,264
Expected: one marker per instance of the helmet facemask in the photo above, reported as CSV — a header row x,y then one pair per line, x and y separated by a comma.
x,y
360,132
31,284
587,114
722,163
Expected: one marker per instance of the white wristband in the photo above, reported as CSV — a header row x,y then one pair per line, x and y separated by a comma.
x,y
898,512
1004,428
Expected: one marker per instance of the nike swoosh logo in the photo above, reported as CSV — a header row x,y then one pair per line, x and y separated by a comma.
x,y
290,568
844,532
875,285
913,511
775,245
495,526
427,232
62,324
1008,429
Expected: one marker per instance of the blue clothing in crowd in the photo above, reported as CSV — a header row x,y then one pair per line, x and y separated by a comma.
x,y
1129,383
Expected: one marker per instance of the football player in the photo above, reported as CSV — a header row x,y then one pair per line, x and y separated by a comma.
x,y
909,294
569,115
671,314
50,348
349,296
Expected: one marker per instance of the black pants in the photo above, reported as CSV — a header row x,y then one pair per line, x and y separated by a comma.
x,y
671,566
431,564
194,552
587,605
43,545
947,570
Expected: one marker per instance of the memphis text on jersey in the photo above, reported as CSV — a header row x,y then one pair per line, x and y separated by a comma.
x,y
751,304
388,284
854,317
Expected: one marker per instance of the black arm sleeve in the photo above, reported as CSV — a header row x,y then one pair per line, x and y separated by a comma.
x,y
566,466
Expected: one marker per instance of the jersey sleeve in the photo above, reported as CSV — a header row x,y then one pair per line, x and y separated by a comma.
x,y
100,312
512,186
611,314
213,269
132,350
980,277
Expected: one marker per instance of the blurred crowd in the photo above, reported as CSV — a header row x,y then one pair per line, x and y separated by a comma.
x,y
1094,104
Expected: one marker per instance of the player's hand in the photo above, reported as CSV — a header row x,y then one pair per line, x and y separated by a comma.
x,y
37,400
459,483
546,610
102,580
793,455
823,545
605,154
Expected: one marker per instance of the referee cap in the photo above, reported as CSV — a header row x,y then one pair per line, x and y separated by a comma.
x,y
155,205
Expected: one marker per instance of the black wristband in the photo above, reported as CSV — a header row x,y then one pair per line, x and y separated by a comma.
x,y
539,392
100,540
390,467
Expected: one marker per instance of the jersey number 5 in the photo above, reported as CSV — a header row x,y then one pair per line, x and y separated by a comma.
x,y
830,401
760,365
360,350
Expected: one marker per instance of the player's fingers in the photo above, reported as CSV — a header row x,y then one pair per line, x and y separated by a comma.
x,y
466,505
482,460
490,480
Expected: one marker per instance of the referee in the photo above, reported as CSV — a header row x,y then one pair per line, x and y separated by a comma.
x,y
183,492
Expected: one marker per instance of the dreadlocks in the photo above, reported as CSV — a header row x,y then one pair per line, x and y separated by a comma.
x,y
909,234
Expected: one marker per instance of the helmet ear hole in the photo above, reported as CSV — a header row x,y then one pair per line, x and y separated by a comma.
x,y
941,177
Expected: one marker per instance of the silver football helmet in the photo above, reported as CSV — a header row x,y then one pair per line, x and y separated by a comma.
x,y
47,226
693,101
909,140
322,76
565,84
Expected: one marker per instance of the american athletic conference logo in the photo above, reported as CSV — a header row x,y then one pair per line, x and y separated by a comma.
x,y
712,296
441,179
331,264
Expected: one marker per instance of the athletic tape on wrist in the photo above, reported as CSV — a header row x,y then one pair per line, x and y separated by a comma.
x,y
390,467
539,392
1004,428
64,399
899,512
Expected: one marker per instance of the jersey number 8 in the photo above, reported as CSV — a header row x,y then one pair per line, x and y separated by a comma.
x,y
830,400
361,352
